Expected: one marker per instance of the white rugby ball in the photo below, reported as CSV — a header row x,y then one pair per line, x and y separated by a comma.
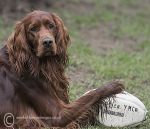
x,y
124,110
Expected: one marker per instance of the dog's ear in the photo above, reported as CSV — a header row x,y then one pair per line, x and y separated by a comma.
x,y
18,47
20,37
62,37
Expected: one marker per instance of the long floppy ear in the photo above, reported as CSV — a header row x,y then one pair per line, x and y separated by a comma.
x,y
19,38
62,37
18,47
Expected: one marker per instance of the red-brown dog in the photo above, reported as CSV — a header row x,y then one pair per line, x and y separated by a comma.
x,y
33,85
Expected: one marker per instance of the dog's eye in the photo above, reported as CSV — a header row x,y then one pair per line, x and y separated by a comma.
x,y
34,29
51,26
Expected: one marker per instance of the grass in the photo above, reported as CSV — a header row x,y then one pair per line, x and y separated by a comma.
x,y
132,67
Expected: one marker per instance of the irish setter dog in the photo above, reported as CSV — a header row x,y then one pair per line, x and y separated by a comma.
x,y
33,85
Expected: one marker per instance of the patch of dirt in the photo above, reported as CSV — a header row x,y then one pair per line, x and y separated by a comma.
x,y
81,80
13,10
100,40
81,7
81,76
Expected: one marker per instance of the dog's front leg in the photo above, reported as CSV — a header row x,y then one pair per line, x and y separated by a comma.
x,y
70,112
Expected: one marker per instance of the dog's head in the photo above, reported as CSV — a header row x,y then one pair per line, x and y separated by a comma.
x,y
42,33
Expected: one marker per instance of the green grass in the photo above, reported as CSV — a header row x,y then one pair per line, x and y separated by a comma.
x,y
132,67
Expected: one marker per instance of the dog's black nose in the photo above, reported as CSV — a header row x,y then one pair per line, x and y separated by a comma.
x,y
47,42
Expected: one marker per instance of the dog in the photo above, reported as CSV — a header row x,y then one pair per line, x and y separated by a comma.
x,y
33,84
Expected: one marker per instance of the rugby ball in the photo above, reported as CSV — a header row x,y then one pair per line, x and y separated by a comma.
x,y
123,110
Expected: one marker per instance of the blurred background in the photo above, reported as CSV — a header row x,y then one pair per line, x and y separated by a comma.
x,y
110,40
